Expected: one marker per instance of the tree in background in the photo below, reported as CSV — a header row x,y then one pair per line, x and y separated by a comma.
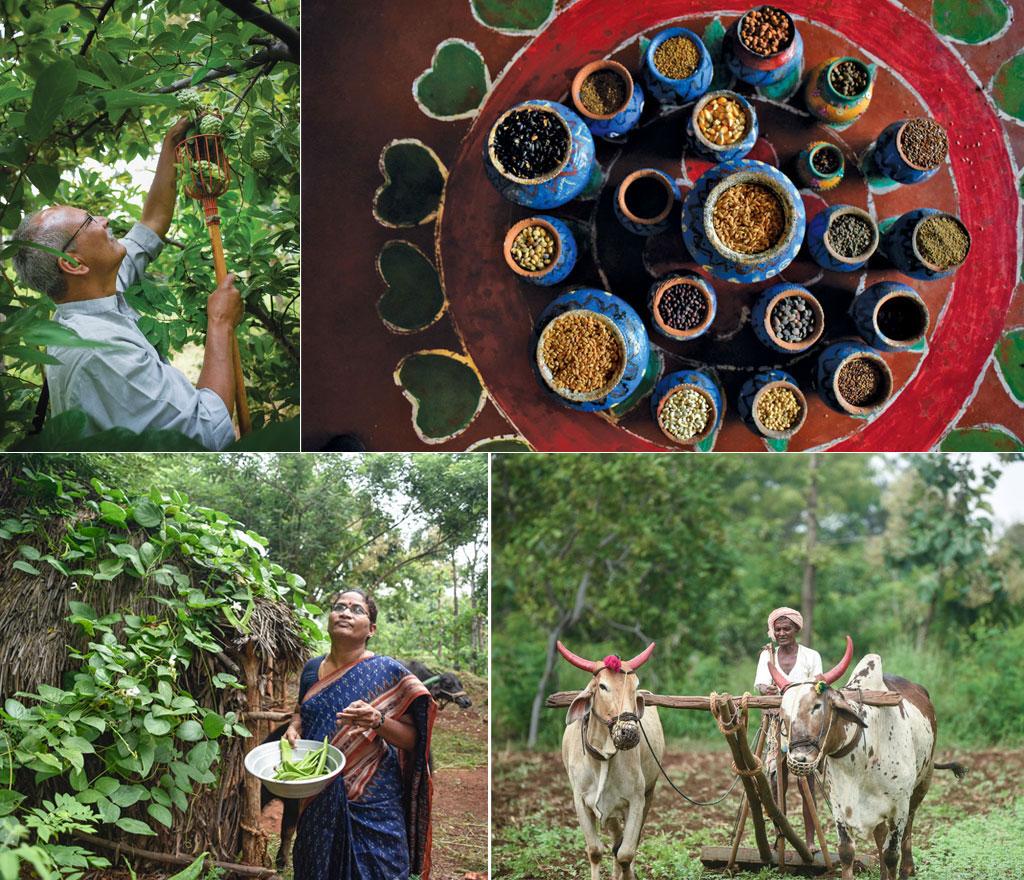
x,y
85,90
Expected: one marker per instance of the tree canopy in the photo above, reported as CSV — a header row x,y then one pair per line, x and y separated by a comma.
x,y
86,92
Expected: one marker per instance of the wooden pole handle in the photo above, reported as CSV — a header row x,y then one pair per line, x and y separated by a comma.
x,y
221,269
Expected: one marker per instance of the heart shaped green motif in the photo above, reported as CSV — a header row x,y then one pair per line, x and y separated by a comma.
x,y
1008,86
454,85
414,179
413,299
994,438
445,390
972,22
1010,359
512,16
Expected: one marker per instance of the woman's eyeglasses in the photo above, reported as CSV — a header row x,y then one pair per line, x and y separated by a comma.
x,y
354,610
88,219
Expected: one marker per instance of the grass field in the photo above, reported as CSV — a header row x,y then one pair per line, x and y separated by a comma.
x,y
965,830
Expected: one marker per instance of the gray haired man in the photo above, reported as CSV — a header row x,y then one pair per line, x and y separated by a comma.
x,y
127,384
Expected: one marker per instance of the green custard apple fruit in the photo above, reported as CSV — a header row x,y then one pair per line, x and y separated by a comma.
x,y
260,158
210,124
190,99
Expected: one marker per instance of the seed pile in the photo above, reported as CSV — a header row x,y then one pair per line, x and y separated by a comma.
x,y
849,235
676,58
849,78
530,143
793,320
766,30
646,197
860,382
603,92
683,307
722,120
924,143
533,248
582,352
685,414
826,160
900,318
748,218
943,242
778,409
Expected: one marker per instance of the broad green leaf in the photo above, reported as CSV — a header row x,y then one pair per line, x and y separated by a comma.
x,y
21,565
192,872
107,785
156,726
126,795
190,731
213,725
54,86
113,513
15,709
134,826
147,514
161,814
46,179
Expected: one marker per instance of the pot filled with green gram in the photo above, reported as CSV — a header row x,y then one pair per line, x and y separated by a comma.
x,y
295,771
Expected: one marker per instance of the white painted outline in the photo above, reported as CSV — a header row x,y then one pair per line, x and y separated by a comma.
x,y
466,114
388,181
455,356
512,32
999,370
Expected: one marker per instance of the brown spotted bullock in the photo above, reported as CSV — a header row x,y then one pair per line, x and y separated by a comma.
x,y
877,761
612,780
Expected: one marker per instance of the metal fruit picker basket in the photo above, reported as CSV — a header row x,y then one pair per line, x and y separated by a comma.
x,y
262,762
205,173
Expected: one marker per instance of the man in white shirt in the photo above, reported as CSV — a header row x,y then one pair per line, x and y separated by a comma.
x,y
796,663
125,383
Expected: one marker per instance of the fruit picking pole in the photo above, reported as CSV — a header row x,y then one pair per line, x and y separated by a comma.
x,y
220,269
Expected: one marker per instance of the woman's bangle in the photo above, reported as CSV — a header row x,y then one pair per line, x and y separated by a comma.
x,y
380,723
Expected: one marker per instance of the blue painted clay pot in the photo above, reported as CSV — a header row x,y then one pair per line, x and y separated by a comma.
x,y
704,384
610,126
760,317
820,247
721,152
832,360
628,204
563,258
810,176
707,248
677,91
830,106
557,187
762,70
625,324
657,290
891,161
893,307
752,391
899,242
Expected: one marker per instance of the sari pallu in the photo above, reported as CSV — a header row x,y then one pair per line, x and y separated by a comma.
x,y
372,823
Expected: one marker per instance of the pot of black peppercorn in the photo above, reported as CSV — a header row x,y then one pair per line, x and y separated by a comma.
x,y
788,318
682,305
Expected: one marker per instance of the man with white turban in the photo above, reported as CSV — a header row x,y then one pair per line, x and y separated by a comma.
x,y
796,663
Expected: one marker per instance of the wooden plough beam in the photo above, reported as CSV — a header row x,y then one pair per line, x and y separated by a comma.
x,y
732,722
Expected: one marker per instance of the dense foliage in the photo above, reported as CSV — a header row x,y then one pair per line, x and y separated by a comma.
x,y
84,90
121,742
610,552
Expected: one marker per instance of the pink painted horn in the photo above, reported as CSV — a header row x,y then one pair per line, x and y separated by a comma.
x,y
640,659
836,671
781,682
591,666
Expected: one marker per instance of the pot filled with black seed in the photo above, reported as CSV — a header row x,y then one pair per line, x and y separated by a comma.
x,y
890,316
604,94
821,166
838,90
842,238
539,154
682,305
854,379
910,150
788,318
644,200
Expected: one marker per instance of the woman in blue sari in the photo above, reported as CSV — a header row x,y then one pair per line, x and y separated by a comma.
x,y
373,822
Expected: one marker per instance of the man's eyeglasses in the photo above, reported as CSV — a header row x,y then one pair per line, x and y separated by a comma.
x,y
88,219
354,609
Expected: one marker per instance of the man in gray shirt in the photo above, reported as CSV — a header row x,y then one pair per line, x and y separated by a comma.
x,y
126,384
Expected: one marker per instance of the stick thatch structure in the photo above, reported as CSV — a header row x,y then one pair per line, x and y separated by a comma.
x,y
222,819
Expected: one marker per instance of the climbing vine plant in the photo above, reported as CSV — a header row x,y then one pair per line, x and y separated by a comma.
x,y
122,742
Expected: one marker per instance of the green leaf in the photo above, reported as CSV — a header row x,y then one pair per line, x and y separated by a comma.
x,y
161,814
78,743
213,725
15,709
190,731
9,801
108,811
29,552
112,513
21,565
147,514
45,177
127,795
82,609
192,872
54,86
107,785
134,826
156,726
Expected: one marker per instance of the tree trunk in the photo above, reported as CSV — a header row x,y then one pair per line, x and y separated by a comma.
x,y
455,607
811,515
254,840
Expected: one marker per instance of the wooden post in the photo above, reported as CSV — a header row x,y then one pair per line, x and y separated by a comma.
x,y
744,811
780,844
805,792
254,841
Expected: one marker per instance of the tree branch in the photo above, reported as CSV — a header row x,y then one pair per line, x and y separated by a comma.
x,y
248,11
257,309
277,52
104,9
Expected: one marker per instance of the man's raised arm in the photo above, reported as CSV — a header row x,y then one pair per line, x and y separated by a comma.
x,y
159,207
